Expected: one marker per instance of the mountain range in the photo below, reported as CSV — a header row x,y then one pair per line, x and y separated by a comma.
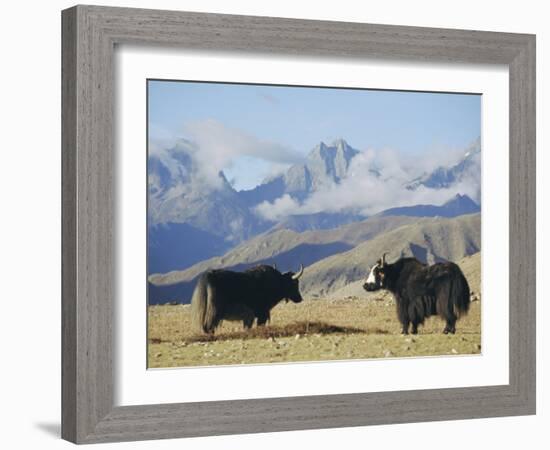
x,y
324,166
466,168
457,206
191,220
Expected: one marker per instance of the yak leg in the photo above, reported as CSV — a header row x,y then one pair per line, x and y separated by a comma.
x,y
263,317
414,329
405,321
248,321
450,327
403,315
445,306
212,327
451,320
248,318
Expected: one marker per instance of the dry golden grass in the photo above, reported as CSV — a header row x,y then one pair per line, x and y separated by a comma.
x,y
314,330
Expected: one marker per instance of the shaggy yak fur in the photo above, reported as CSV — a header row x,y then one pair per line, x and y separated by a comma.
x,y
249,295
421,291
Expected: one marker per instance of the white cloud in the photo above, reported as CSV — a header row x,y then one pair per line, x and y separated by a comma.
x,y
159,150
218,145
365,192
277,210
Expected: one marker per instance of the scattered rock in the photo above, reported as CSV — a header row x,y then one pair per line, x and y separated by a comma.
x,y
453,351
158,355
474,297
387,354
298,336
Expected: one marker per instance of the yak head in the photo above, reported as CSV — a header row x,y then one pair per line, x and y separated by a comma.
x,y
290,285
377,276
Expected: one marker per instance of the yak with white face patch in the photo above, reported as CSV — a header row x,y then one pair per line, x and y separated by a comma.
x,y
421,291
371,279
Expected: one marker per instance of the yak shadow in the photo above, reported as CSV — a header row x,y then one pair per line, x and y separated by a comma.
x,y
302,329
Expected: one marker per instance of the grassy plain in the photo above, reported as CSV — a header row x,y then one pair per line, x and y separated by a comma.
x,y
314,330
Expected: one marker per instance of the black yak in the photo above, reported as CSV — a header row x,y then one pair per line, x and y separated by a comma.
x,y
249,295
421,291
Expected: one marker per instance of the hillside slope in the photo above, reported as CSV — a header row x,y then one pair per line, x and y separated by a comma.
x,y
332,260
457,206
285,248
429,240
288,248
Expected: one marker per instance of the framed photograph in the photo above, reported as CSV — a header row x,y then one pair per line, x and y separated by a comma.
x,y
256,209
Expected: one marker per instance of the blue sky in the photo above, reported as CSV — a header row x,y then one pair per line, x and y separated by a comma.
x,y
295,119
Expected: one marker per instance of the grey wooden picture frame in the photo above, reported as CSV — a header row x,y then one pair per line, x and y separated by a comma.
x,y
89,37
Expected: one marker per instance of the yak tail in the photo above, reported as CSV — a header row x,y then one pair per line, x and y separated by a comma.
x,y
460,294
203,306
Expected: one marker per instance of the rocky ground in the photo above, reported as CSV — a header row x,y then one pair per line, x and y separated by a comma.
x,y
323,329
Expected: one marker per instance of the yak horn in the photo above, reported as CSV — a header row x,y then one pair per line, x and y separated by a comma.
x,y
299,273
384,259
